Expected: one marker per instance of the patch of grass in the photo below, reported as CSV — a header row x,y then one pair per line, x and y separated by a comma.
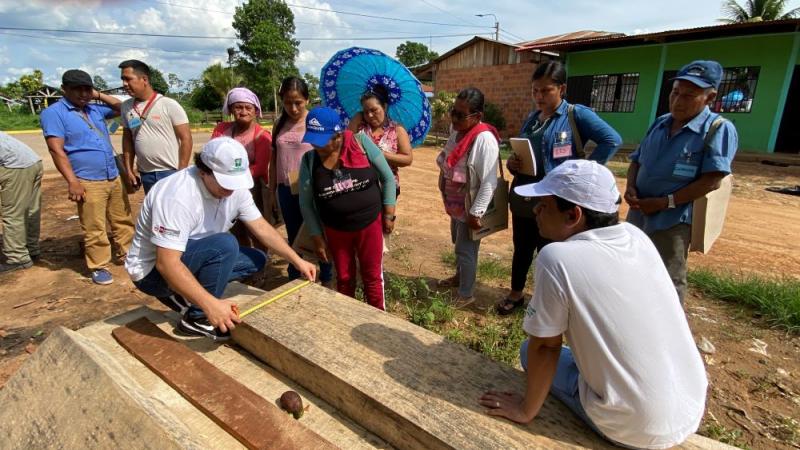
x,y
719,432
492,269
778,300
421,305
17,119
505,151
448,258
618,168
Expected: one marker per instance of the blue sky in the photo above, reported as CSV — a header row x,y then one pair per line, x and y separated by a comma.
x,y
53,53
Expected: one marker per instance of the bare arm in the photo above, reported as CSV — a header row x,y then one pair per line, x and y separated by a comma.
x,y
707,182
631,194
184,135
355,122
128,157
219,312
267,236
56,147
543,356
403,157
113,102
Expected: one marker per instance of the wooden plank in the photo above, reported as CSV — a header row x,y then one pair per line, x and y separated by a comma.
x,y
403,383
252,420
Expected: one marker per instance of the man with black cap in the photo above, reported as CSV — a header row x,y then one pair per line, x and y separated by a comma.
x,y
78,140
685,155
182,253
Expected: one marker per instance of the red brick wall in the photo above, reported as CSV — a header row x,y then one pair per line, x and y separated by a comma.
x,y
507,86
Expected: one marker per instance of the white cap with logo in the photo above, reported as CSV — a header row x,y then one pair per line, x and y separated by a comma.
x,y
227,158
585,183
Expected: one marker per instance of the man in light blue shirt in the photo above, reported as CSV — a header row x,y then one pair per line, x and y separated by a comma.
x,y
21,197
673,166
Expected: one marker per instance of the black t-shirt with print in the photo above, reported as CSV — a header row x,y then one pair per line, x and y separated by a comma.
x,y
347,199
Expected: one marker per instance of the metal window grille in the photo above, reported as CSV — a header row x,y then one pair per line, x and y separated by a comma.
x,y
737,90
614,93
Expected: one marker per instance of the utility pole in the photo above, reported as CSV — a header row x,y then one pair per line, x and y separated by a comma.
x,y
496,25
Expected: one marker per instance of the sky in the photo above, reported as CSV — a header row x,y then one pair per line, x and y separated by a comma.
x,y
321,31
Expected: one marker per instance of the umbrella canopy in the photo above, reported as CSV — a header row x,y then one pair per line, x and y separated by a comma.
x,y
353,71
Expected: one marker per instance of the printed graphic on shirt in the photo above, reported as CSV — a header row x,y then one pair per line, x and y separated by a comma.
x,y
166,232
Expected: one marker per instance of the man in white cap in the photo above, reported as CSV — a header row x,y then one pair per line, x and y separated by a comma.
x,y
182,253
632,371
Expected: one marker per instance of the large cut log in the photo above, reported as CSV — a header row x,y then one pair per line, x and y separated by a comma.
x,y
405,384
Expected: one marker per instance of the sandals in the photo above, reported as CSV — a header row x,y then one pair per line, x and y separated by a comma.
x,y
508,306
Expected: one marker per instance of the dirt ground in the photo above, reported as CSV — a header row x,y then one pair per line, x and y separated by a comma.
x,y
754,395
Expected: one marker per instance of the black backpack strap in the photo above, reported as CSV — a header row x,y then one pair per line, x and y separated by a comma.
x,y
576,136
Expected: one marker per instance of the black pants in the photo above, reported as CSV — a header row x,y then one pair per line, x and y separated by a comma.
x,y
526,241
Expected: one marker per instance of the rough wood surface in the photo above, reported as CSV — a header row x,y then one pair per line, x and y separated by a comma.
x,y
72,395
401,382
256,423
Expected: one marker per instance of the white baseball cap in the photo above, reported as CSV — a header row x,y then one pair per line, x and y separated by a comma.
x,y
584,183
227,158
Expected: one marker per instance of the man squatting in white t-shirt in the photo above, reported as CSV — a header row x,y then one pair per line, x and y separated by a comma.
x,y
182,252
632,371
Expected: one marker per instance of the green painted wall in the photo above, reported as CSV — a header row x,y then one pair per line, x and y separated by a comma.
x,y
644,60
772,53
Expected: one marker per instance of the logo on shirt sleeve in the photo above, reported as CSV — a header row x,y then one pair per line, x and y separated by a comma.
x,y
166,232
530,311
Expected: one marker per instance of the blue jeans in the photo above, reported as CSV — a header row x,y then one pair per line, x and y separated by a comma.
x,y
150,178
565,386
214,261
466,257
293,218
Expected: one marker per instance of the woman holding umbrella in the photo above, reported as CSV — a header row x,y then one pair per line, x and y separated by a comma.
x,y
388,135
243,104
556,130
468,169
347,197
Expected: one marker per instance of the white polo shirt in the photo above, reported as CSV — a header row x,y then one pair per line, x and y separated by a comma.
x,y
180,208
642,381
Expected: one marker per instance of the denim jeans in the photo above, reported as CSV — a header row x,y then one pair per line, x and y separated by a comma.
x,y
150,178
214,261
290,210
466,257
565,386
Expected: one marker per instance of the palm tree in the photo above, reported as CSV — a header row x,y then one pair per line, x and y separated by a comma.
x,y
756,11
221,79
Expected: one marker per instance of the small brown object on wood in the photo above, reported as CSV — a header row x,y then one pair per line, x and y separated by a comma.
x,y
292,403
251,419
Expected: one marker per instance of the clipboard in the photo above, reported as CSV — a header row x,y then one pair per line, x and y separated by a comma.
x,y
523,151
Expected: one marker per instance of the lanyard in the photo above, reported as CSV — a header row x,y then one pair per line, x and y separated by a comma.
x,y
97,131
143,113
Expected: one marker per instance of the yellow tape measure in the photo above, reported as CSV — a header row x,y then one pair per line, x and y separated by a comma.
x,y
275,298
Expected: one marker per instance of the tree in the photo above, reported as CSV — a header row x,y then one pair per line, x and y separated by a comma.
x,y
221,79
756,11
175,83
414,53
267,49
440,110
12,90
313,88
32,82
205,98
157,81
99,83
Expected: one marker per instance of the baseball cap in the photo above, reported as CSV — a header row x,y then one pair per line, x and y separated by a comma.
x,y
75,77
585,183
321,124
704,74
227,158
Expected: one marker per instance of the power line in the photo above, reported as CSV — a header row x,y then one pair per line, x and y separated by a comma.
x,y
390,38
515,36
451,14
107,44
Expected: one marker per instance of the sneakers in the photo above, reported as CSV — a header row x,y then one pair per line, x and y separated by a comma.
x,y
176,303
201,327
6,267
102,276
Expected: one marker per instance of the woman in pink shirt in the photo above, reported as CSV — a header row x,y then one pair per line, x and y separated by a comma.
x,y
284,169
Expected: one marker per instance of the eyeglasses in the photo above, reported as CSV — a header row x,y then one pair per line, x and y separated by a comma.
x,y
458,116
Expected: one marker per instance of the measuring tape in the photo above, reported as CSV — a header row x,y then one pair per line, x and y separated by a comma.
x,y
276,298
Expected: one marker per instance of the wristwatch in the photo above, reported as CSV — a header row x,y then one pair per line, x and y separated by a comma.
x,y
391,217
670,201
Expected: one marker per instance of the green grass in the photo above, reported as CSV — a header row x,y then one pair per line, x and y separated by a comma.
x,y
488,268
725,435
505,151
19,119
777,300
618,168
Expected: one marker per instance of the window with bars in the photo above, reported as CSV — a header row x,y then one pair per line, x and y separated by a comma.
x,y
737,90
614,93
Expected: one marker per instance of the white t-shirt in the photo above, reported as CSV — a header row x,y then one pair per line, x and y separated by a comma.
x,y
642,381
154,139
180,208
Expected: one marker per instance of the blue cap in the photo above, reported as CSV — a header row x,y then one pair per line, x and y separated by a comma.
x,y
321,124
704,74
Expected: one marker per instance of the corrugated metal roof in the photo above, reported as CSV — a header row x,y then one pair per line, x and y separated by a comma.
x,y
575,35
621,40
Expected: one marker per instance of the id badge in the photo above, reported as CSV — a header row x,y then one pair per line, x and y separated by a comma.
x,y
562,147
135,123
683,170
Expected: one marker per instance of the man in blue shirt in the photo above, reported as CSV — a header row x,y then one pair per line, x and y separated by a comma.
x,y
673,166
78,140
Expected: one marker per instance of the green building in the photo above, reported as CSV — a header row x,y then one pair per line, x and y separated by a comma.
x,y
626,79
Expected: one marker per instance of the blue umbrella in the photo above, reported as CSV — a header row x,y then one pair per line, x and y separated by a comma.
x,y
353,71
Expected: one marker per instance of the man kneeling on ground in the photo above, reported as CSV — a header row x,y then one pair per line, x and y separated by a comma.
x,y
182,249
632,371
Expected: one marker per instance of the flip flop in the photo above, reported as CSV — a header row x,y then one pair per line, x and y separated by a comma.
x,y
508,306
